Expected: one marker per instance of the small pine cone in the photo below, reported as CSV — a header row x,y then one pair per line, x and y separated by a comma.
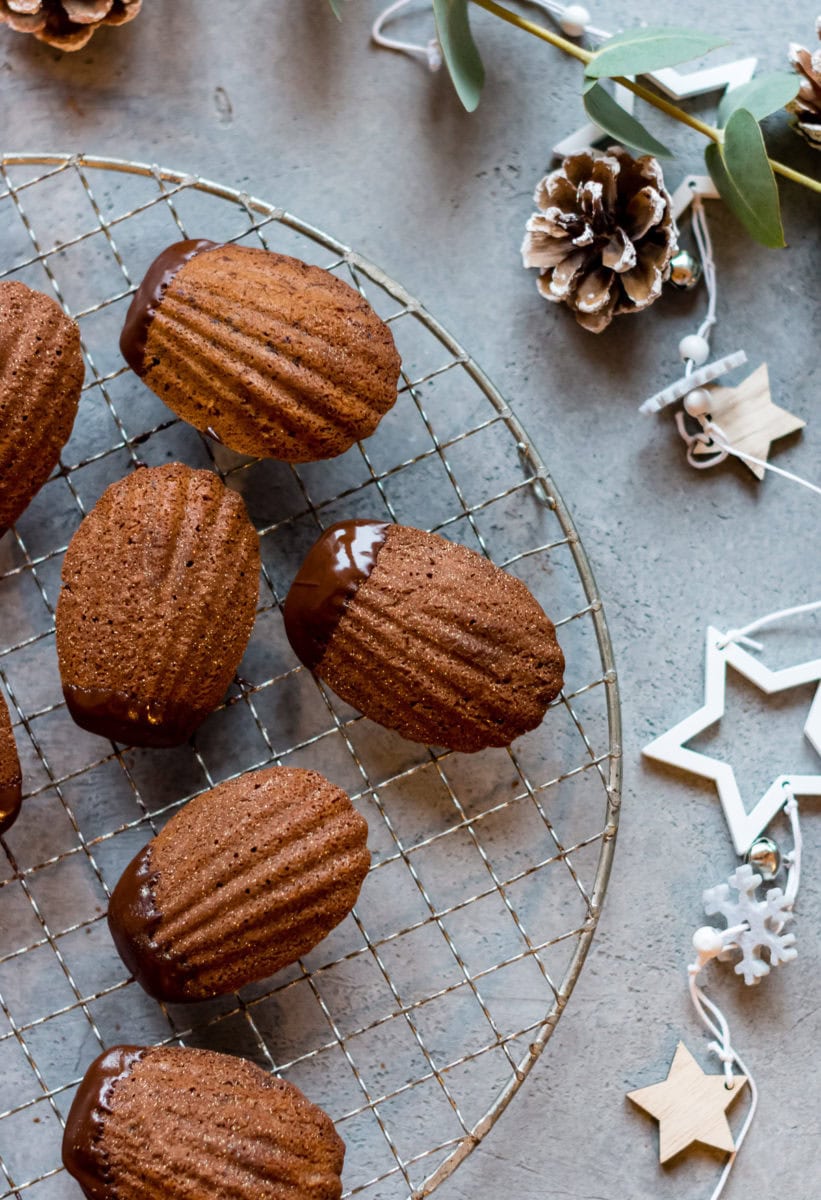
x,y
66,24
807,104
604,235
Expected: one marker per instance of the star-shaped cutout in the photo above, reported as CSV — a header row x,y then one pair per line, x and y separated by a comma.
x,y
690,1106
670,747
748,418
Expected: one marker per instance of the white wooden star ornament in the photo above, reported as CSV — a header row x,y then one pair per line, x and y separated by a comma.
x,y
690,1106
671,748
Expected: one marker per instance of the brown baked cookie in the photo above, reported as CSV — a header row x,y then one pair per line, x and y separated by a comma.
x,y
172,1123
267,354
41,377
160,586
241,882
11,779
423,635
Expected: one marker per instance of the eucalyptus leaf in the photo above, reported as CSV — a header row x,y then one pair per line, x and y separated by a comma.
x,y
459,50
638,51
760,96
335,9
742,173
611,117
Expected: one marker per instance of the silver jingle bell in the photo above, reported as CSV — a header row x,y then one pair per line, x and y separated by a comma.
x,y
685,271
765,858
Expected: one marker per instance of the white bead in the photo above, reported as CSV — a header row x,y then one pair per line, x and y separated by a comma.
x,y
708,940
695,347
575,20
697,403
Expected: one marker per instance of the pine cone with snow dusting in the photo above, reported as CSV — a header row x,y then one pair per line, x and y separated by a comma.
x,y
66,24
604,235
807,104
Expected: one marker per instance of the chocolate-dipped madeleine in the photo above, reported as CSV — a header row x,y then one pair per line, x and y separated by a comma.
x,y
11,779
263,352
160,586
241,882
41,377
423,635
172,1123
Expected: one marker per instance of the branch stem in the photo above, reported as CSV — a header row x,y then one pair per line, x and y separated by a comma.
x,y
678,114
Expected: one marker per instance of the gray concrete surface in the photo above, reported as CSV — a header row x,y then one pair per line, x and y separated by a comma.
x,y
278,99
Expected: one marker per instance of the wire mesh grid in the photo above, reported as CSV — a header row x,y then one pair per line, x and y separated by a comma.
x,y
418,1019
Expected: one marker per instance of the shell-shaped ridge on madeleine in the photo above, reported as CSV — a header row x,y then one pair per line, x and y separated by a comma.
x,y
160,586
172,1122
243,881
41,377
272,356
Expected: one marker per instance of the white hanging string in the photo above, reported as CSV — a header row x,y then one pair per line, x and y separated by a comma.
x,y
741,635
714,1020
430,53
701,233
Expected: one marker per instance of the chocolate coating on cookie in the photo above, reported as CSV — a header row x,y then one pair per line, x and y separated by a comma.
x,y
172,1123
147,298
335,566
83,1146
11,780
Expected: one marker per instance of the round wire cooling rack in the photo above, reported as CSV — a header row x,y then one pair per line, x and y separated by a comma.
x,y
416,1022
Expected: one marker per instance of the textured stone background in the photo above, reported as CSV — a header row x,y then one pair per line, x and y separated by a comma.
x,y
278,99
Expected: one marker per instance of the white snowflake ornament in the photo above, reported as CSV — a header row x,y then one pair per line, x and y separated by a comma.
x,y
760,923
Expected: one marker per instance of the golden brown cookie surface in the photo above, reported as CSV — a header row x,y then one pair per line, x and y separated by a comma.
x,y
265,353
172,1123
41,376
241,882
424,636
159,594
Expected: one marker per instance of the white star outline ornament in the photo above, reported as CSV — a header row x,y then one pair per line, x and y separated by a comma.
x,y
670,748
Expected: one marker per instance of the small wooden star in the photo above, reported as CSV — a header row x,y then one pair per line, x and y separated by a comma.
x,y
748,418
690,1106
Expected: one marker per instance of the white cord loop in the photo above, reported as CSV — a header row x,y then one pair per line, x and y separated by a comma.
x,y
430,53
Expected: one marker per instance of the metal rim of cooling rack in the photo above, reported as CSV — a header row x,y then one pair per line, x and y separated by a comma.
x,y
546,492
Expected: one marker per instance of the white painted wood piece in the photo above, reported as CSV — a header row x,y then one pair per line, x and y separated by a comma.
x,y
745,826
696,379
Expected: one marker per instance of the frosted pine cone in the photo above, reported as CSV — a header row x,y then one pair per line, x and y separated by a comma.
x,y
807,104
66,24
604,235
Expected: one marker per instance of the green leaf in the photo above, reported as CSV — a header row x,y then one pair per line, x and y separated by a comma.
x,y
459,50
638,51
744,178
760,96
335,9
611,117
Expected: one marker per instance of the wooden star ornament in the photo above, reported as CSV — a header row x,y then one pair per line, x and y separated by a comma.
x,y
748,419
690,1106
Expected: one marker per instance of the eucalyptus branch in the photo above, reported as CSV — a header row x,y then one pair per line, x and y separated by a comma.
x,y
671,110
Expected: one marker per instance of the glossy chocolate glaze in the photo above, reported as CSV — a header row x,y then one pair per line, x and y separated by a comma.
x,y
83,1155
147,298
132,920
11,795
327,581
120,717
